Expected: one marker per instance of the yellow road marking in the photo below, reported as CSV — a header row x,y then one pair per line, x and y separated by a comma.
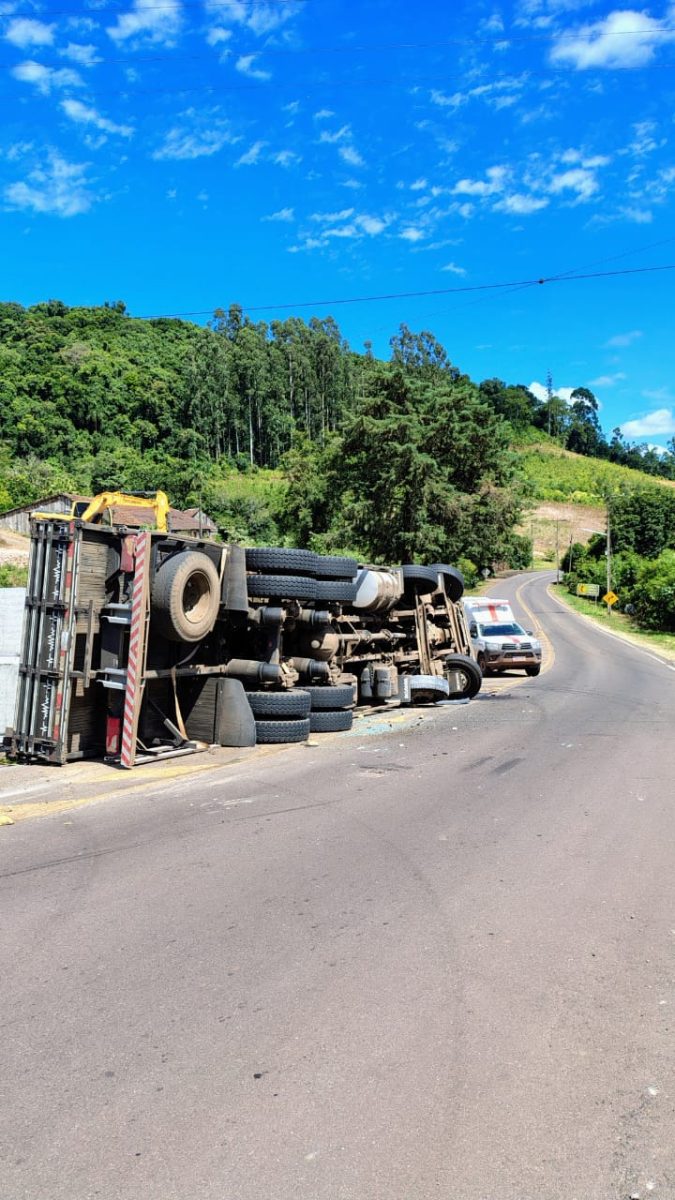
x,y
550,652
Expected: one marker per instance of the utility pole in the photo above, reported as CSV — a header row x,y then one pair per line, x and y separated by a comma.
x,y
608,552
557,551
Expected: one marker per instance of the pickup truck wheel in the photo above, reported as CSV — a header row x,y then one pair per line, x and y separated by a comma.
x,y
274,732
280,705
532,670
331,722
470,675
185,597
280,561
482,662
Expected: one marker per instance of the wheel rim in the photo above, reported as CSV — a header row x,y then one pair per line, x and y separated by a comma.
x,y
196,597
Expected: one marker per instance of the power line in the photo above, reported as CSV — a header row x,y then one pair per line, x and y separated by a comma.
x,y
478,287
283,51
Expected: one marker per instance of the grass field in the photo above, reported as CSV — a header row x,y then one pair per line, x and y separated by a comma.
x,y
553,474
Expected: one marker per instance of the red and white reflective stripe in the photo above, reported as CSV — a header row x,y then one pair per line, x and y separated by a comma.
x,y
136,636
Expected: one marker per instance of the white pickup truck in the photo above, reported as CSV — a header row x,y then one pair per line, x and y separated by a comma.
x,y
498,641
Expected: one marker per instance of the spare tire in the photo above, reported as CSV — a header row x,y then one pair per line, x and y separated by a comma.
x,y
420,580
185,597
453,580
472,677
280,561
279,705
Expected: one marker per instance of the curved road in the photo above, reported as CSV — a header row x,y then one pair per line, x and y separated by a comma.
x,y
434,958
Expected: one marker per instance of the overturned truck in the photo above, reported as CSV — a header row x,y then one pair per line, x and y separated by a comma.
x,y
138,644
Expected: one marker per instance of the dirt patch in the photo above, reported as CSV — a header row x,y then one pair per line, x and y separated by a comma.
x,y
566,522
14,547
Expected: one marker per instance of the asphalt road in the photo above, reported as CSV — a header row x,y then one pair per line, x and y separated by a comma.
x,y
436,961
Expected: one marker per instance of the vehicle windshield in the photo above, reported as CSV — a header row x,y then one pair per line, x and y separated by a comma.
x,y
502,630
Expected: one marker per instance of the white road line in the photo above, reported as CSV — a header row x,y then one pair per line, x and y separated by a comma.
x,y
608,633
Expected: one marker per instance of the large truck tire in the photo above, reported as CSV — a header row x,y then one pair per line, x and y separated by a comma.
x,y
185,597
340,590
428,689
322,698
275,732
338,721
471,675
453,580
335,566
421,581
281,587
280,705
278,560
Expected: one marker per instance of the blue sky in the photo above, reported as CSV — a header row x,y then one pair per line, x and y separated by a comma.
x,y
184,154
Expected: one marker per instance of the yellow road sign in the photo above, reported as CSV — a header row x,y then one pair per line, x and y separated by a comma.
x,y
610,598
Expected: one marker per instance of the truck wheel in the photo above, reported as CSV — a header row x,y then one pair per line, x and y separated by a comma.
x,y
532,670
428,689
281,587
482,662
335,566
331,697
185,597
342,590
280,705
453,580
331,722
420,580
470,675
274,732
277,560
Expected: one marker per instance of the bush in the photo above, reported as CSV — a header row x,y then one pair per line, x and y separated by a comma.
x,y
13,575
654,593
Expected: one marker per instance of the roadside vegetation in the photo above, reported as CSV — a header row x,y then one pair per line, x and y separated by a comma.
x,y
284,434
618,622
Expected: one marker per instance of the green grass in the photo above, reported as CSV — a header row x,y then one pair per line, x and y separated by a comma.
x,y
557,475
619,622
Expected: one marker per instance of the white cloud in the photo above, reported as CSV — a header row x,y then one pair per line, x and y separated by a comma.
x,y
23,31
337,135
323,114
84,115
494,182
46,78
147,21
85,55
199,135
661,421
539,390
217,35
520,205
412,233
350,154
58,188
251,156
286,158
576,179
372,225
623,339
624,38
454,269
604,381
260,17
244,64
419,185
283,214
330,218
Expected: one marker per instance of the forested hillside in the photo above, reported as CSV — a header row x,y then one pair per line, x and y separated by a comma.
x,y
283,433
